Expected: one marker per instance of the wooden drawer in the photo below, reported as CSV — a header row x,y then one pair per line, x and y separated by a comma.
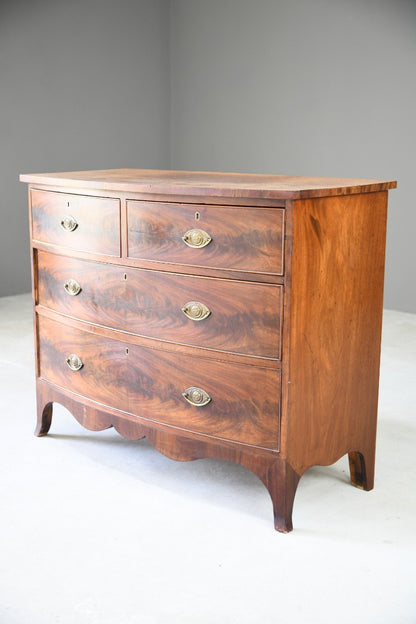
x,y
245,400
242,239
96,221
244,317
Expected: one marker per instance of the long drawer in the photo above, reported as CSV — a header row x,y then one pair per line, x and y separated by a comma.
x,y
76,222
221,237
244,400
228,315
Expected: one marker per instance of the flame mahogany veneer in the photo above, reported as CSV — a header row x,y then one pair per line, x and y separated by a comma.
x,y
218,315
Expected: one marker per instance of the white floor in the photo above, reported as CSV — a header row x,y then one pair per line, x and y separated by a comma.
x,y
96,529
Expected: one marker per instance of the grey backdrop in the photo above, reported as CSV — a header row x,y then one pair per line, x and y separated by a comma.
x,y
322,87
84,84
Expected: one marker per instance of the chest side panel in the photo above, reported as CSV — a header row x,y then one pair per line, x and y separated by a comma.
x,y
335,326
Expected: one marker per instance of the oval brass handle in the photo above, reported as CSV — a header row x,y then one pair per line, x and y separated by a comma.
x,y
72,287
196,396
196,238
196,311
69,224
74,362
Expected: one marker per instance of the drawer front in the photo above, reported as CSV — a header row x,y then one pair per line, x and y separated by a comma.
x,y
77,222
244,400
242,239
242,317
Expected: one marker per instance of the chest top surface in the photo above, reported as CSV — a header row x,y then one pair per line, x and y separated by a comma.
x,y
217,184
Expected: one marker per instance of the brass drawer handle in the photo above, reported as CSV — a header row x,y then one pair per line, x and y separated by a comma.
x,y
196,311
69,224
74,362
196,396
196,238
72,287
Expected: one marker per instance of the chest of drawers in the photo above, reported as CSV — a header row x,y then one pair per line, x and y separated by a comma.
x,y
218,315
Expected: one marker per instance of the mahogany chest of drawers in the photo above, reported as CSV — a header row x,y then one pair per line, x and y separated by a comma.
x,y
219,315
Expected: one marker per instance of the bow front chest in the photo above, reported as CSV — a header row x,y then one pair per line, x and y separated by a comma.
x,y
218,315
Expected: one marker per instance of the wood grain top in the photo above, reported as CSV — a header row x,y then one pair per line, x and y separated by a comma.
x,y
212,184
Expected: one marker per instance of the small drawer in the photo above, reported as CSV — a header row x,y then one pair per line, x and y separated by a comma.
x,y
77,222
221,237
229,401
228,315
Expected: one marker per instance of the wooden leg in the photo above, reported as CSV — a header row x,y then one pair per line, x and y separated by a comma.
x,y
362,469
281,482
44,412
44,419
